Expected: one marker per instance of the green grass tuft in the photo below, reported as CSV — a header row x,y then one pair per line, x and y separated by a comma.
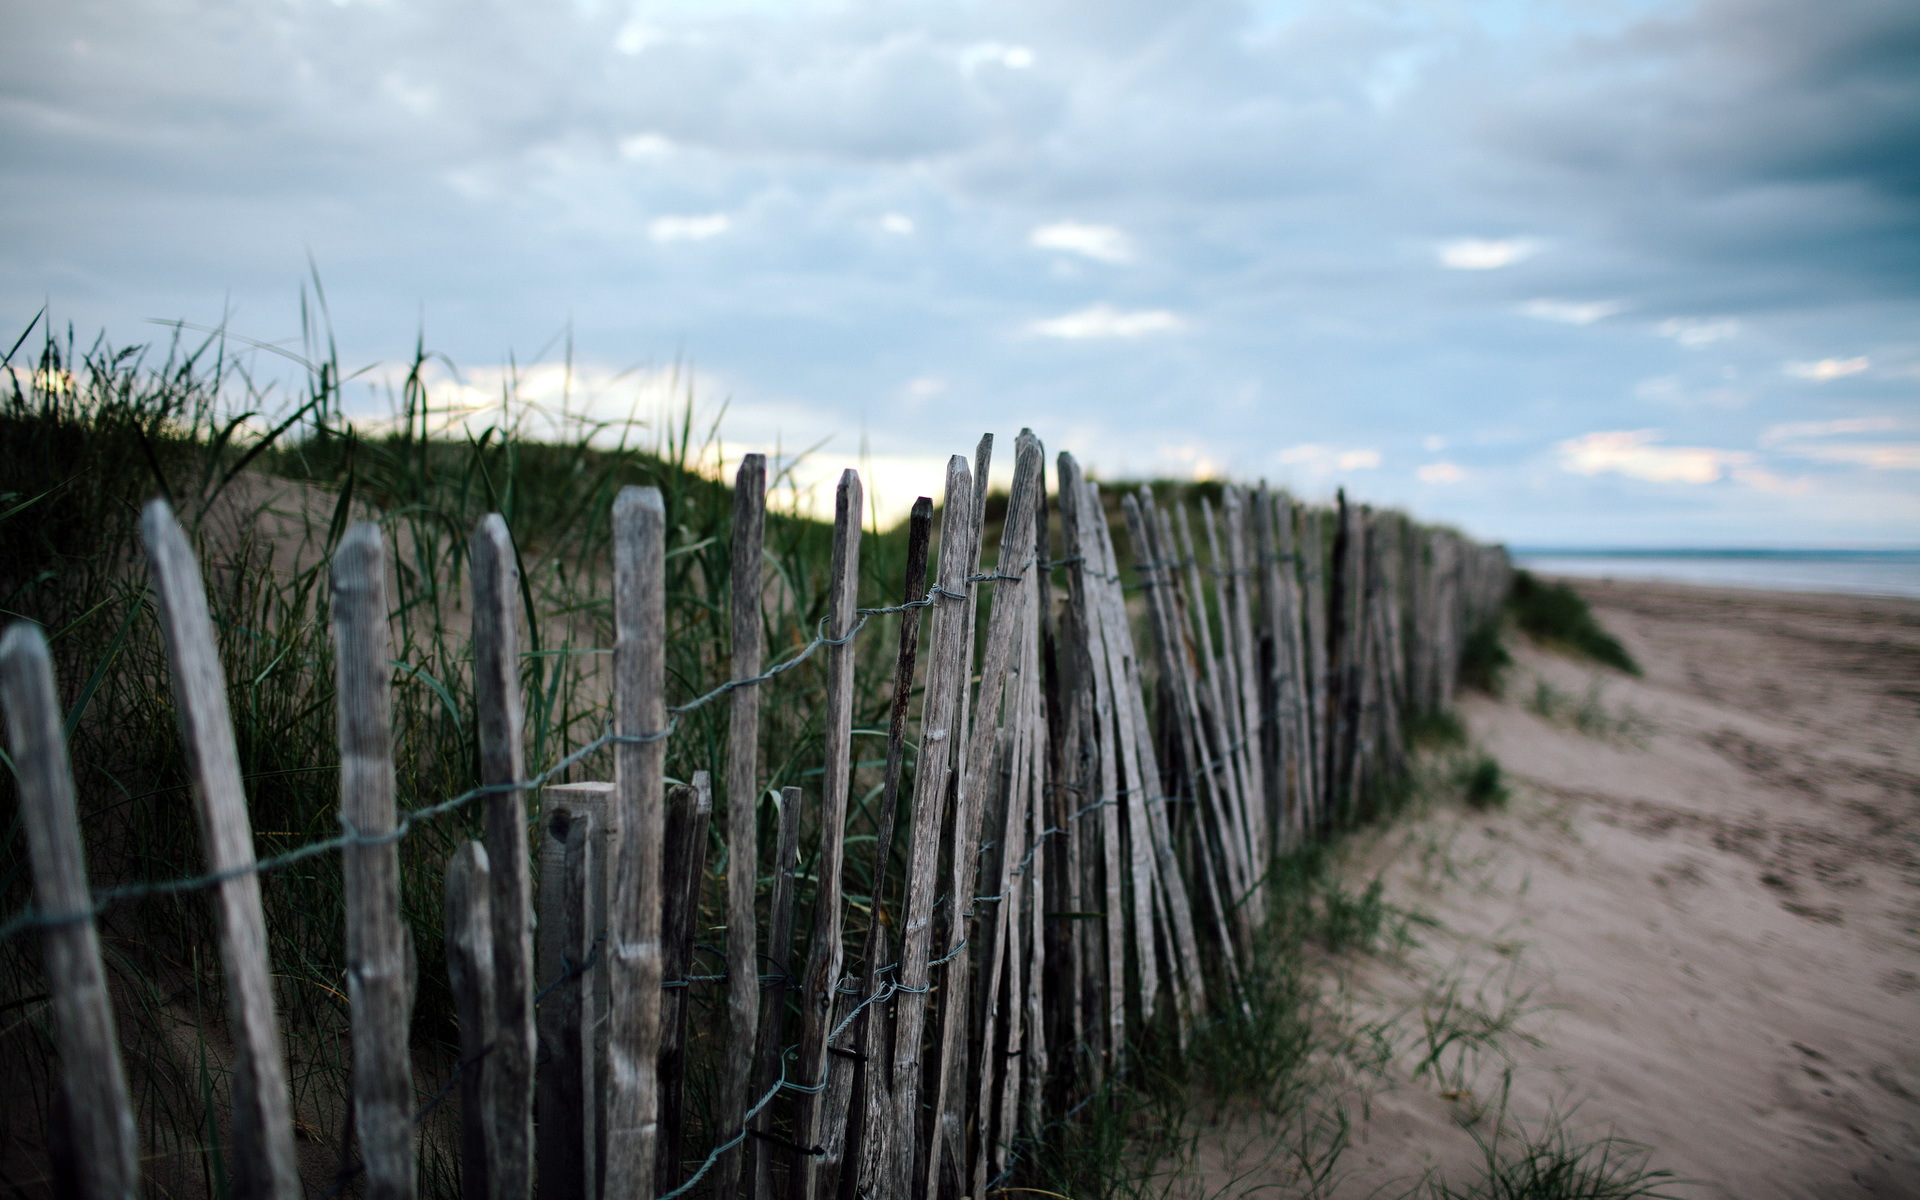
x,y
1484,659
1480,781
1556,614
1551,1162
1439,729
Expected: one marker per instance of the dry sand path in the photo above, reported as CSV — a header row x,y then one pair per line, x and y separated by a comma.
x,y
1709,899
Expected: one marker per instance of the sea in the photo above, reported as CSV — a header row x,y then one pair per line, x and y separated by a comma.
x,y
1859,572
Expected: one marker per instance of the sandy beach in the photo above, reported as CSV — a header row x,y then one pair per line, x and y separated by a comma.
x,y
1695,926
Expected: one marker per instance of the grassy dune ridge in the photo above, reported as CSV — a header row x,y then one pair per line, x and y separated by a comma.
x,y
89,434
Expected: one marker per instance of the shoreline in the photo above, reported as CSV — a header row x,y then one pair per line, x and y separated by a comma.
x,y
1891,574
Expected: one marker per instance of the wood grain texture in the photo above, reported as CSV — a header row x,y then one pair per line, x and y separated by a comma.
x,y
1137,789
632,953
500,719
1154,561
946,677
1313,622
262,1124
743,797
1013,589
689,808
870,1033
1143,765
1110,985
469,933
595,798
1078,772
378,967
1216,723
1246,693
564,1079
773,1013
821,983
105,1143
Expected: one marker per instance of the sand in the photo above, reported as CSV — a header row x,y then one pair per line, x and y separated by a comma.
x,y
1703,898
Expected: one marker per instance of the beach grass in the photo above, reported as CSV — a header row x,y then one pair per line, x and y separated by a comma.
x,y
88,433
266,480
1557,615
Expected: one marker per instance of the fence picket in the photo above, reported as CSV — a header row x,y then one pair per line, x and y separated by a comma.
x,y
499,720
743,803
820,986
1285,674
1143,766
595,798
379,968
263,1160
564,1080
470,977
105,1143
1013,588
632,952
947,668
867,1033
773,1014
689,808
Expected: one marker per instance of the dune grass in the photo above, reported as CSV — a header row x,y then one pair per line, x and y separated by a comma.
x,y
1556,614
90,432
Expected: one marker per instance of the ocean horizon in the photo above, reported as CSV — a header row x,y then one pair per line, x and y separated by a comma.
x,y
1847,572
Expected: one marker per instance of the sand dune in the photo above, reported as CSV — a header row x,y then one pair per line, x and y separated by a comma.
x,y
1704,895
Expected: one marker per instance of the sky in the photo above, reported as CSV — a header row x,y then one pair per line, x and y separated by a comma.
x,y
1576,273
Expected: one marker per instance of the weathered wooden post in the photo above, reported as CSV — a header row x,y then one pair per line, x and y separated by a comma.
x,y
564,1082
105,1144
500,717
822,980
469,935
632,952
946,676
378,967
263,1160
743,799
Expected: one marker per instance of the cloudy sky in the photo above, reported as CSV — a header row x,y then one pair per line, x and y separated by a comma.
x,y
1588,272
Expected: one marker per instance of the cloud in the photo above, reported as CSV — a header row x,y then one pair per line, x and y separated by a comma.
x,y
1669,389
894,222
636,36
1324,460
688,229
1632,453
1485,254
1105,243
547,401
1298,181
1013,58
1767,481
1105,321
1877,456
1827,368
1440,472
1791,430
1190,460
1694,332
645,145
1572,312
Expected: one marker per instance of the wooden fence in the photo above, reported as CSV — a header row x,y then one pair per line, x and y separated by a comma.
x,y
1089,828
